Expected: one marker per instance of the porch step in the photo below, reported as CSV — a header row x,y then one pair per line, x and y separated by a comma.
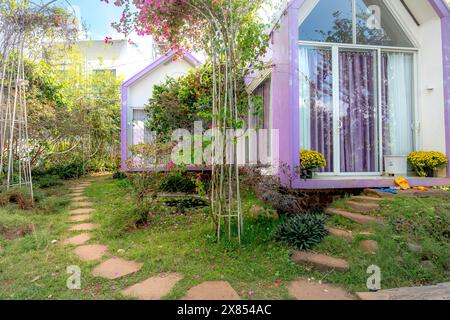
x,y
377,193
365,199
438,292
358,218
362,207
320,262
347,235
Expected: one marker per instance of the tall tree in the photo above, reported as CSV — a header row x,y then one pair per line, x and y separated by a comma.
x,y
232,35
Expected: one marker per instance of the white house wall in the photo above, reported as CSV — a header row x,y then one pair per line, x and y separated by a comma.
x,y
141,91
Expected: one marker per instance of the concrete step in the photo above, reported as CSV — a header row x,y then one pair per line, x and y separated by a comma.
x,y
320,262
358,218
347,235
361,207
377,193
438,292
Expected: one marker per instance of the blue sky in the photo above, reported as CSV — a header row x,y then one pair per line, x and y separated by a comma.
x,y
97,15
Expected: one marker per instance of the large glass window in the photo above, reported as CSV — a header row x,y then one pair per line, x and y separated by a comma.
x,y
377,26
140,134
316,102
367,22
329,21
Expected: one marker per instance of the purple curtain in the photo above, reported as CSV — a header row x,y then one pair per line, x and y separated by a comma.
x,y
357,112
321,103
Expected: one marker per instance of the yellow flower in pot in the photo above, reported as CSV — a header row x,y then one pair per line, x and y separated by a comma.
x,y
311,161
425,163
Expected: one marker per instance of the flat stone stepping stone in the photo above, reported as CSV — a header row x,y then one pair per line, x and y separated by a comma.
x,y
116,268
82,211
80,218
347,235
303,289
361,207
370,246
76,194
379,194
77,240
84,227
365,198
84,204
83,198
212,290
154,288
320,262
91,252
355,217
438,292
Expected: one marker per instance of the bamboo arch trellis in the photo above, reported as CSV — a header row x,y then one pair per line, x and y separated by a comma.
x,y
15,168
21,22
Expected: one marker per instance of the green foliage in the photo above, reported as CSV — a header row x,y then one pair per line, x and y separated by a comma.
x,y
48,180
177,181
178,102
303,231
74,116
426,162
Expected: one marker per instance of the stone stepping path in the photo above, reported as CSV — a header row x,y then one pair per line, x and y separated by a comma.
x,y
91,252
77,240
154,288
437,292
84,227
212,290
347,235
76,194
84,204
362,207
320,262
82,211
303,289
115,268
355,217
364,198
378,194
370,246
83,198
80,218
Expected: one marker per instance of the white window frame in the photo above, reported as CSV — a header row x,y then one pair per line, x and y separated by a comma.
x,y
335,47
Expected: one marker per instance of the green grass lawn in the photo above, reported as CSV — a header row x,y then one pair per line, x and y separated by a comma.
x,y
31,267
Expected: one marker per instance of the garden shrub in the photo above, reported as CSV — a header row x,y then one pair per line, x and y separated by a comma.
x,y
177,182
48,181
119,175
303,231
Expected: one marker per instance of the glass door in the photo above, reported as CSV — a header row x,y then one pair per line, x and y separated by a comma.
x,y
358,126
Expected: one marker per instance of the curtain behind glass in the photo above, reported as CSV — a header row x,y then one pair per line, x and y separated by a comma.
x,y
316,102
358,107
397,95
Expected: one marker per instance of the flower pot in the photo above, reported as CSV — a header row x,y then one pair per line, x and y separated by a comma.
x,y
307,173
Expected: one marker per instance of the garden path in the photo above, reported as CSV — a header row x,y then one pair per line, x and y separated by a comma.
x,y
153,288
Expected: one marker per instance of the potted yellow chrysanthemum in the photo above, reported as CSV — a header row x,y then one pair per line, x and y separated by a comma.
x,y
311,161
425,163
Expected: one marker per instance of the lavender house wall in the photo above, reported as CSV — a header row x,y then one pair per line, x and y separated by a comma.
x,y
285,99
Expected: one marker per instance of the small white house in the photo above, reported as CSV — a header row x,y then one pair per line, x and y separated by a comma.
x,y
139,89
123,57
